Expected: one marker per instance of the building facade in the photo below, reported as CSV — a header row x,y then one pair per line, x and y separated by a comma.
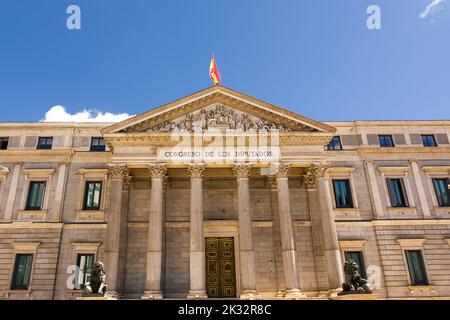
x,y
178,202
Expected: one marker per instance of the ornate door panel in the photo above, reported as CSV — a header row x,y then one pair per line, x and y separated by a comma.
x,y
220,270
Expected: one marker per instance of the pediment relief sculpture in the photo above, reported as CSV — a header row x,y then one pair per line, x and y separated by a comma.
x,y
219,116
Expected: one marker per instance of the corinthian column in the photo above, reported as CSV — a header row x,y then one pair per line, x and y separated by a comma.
x,y
155,234
319,196
117,175
246,253
289,254
197,243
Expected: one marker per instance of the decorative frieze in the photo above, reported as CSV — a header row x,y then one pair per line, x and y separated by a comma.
x,y
196,170
219,116
241,170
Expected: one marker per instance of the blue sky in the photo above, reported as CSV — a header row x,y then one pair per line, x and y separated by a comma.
x,y
314,57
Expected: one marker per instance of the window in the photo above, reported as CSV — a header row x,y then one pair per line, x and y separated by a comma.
x,y
397,192
342,194
335,144
35,195
441,186
85,263
22,272
92,195
428,141
4,143
386,141
98,144
357,256
45,143
416,267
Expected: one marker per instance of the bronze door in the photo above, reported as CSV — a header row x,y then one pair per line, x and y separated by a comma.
x,y
220,270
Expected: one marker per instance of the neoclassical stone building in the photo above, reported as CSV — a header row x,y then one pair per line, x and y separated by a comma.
x,y
219,194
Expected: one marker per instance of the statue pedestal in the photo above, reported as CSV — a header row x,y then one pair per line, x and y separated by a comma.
x,y
356,296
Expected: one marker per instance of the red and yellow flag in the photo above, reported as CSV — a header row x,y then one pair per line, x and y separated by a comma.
x,y
214,73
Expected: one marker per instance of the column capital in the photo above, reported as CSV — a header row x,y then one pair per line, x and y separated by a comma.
x,y
315,172
196,170
157,171
241,170
282,170
118,172
4,170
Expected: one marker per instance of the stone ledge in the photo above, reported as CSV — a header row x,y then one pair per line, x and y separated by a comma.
x,y
6,294
90,216
32,215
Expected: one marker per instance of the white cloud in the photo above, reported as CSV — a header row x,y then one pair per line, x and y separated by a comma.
x,y
59,114
432,7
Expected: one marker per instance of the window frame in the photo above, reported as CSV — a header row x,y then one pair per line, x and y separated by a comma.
x,y
422,266
13,285
432,172
85,197
45,146
97,148
2,143
404,194
23,248
362,264
334,145
347,183
435,144
42,200
414,244
401,172
35,175
4,171
383,137
82,285
84,248
440,205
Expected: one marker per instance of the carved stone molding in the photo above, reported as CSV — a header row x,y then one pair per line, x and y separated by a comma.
x,y
314,173
157,171
283,170
241,170
219,116
272,182
3,170
118,172
126,184
196,170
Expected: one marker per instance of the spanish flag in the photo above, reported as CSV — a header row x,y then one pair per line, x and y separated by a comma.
x,y
214,73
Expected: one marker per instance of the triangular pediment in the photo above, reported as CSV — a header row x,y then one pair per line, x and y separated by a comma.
x,y
218,107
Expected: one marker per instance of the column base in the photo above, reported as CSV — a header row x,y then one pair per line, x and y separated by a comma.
x,y
152,295
197,295
112,294
250,295
334,292
280,294
294,294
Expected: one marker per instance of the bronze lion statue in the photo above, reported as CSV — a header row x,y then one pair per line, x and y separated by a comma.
x,y
354,283
97,284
